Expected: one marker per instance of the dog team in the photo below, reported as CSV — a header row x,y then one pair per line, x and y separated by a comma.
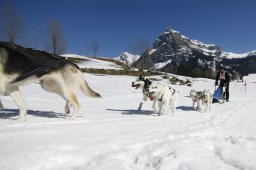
x,y
19,66
165,97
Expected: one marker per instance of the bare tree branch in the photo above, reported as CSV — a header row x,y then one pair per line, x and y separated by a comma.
x,y
56,42
94,48
12,24
139,46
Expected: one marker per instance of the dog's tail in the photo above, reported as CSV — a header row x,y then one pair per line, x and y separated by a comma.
x,y
88,91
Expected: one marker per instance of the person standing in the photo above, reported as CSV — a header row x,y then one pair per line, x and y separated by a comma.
x,y
224,78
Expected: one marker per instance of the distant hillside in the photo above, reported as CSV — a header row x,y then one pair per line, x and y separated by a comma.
x,y
100,65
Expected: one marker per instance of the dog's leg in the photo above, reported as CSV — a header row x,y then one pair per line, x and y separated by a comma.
x,y
174,102
210,103
158,111
206,107
140,105
71,98
1,105
154,105
145,97
194,105
67,108
155,108
162,107
20,102
204,104
198,105
173,105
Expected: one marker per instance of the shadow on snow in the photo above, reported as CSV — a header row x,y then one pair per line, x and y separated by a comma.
x,y
10,113
185,108
133,112
148,112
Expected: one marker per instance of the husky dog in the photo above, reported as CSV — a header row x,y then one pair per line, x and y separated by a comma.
x,y
207,100
144,84
199,97
21,66
165,96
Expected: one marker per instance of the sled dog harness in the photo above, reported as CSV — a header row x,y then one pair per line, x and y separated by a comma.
x,y
170,90
41,69
146,86
44,68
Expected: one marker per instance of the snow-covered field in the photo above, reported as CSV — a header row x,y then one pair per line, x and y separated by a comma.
x,y
110,134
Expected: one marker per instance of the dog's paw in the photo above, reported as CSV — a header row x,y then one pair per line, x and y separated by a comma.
x,y
1,106
21,119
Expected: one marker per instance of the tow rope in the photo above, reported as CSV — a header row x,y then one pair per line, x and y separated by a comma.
x,y
43,68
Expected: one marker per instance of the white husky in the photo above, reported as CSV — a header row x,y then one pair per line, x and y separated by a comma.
x,y
165,96
21,66
207,100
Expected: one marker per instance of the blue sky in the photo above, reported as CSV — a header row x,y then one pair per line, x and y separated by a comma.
x,y
114,24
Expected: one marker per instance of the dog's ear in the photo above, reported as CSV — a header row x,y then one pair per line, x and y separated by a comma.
x,y
141,77
148,82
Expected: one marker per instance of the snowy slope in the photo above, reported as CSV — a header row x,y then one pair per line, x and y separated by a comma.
x,y
93,63
231,55
110,134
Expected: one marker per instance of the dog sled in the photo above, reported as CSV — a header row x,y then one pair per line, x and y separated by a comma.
x,y
218,95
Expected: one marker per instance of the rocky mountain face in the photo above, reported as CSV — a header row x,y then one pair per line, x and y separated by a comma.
x,y
174,53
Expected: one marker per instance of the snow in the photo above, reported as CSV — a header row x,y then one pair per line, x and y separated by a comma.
x,y
231,55
94,63
127,58
74,56
111,134
161,65
152,51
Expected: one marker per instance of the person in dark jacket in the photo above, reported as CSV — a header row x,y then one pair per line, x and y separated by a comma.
x,y
224,78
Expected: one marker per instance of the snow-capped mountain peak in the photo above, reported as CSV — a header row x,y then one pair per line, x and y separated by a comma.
x,y
178,54
127,58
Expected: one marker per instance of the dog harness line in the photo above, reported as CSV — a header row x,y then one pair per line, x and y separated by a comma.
x,y
44,68
163,94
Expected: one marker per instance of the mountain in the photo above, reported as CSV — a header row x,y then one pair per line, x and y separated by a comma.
x,y
127,58
175,53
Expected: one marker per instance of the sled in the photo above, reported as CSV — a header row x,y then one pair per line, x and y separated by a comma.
x,y
218,96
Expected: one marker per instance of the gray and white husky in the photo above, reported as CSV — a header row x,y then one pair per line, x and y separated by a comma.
x,y
21,66
201,97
